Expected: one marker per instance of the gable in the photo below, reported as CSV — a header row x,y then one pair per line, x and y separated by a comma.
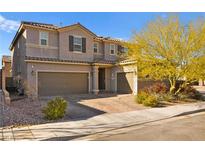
x,y
77,27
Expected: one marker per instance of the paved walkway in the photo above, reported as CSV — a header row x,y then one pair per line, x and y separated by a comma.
x,y
76,130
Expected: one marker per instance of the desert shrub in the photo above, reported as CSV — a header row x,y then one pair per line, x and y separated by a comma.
x,y
167,97
140,97
151,100
158,88
189,92
55,109
147,99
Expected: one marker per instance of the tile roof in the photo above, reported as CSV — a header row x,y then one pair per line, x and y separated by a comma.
x,y
69,61
108,39
43,25
54,27
127,61
51,26
104,61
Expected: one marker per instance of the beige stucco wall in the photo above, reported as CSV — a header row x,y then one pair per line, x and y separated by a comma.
x,y
64,45
110,74
38,67
58,45
34,49
18,57
6,72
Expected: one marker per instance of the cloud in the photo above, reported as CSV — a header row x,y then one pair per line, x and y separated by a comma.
x,y
8,25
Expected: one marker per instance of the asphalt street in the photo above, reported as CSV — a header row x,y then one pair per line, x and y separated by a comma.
x,y
184,128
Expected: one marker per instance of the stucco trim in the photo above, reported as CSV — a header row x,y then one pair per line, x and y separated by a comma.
x,y
32,45
101,64
53,62
63,71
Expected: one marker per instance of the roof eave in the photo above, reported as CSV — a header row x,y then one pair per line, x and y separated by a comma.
x,y
16,36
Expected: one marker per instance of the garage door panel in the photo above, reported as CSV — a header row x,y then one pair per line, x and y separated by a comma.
x,y
51,84
125,82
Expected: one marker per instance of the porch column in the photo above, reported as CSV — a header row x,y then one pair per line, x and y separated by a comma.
x,y
95,80
201,82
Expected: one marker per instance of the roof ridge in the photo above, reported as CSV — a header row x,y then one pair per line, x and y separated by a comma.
x,y
31,22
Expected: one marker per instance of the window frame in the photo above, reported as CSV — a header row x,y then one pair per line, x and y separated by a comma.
x,y
112,49
79,37
40,37
97,47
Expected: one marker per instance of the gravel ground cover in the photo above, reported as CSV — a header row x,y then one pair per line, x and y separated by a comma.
x,y
80,107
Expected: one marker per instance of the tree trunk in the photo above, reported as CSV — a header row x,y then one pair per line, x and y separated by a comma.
x,y
172,85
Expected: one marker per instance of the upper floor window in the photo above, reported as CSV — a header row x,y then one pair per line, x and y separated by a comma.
x,y
77,43
95,47
112,49
122,49
43,38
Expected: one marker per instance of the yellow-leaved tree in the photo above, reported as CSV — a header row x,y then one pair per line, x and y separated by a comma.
x,y
168,50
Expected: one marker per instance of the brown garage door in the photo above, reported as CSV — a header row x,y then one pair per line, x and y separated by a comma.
x,y
54,84
125,82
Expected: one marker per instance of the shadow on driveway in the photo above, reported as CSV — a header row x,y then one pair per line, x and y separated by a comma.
x,y
77,111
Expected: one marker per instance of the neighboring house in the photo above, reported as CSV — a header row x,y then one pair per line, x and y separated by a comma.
x,y
0,79
50,60
6,71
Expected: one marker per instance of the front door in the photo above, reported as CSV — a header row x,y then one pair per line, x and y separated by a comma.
x,y
101,78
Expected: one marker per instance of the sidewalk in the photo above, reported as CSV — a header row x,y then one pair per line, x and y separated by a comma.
x,y
78,129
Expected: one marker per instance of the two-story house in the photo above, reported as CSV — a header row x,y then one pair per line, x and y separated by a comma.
x,y
50,60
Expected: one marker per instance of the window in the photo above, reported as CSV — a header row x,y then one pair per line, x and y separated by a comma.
x,y
95,47
77,43
122,49
43,38
112,49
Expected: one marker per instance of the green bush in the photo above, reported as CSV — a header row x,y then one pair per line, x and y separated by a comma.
x,y
147,99
167,97
140,97
151,100
55,109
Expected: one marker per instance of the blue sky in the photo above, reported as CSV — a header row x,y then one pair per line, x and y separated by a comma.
x,y
117,25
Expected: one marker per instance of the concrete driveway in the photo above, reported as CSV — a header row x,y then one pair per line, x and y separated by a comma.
x,y
107,103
